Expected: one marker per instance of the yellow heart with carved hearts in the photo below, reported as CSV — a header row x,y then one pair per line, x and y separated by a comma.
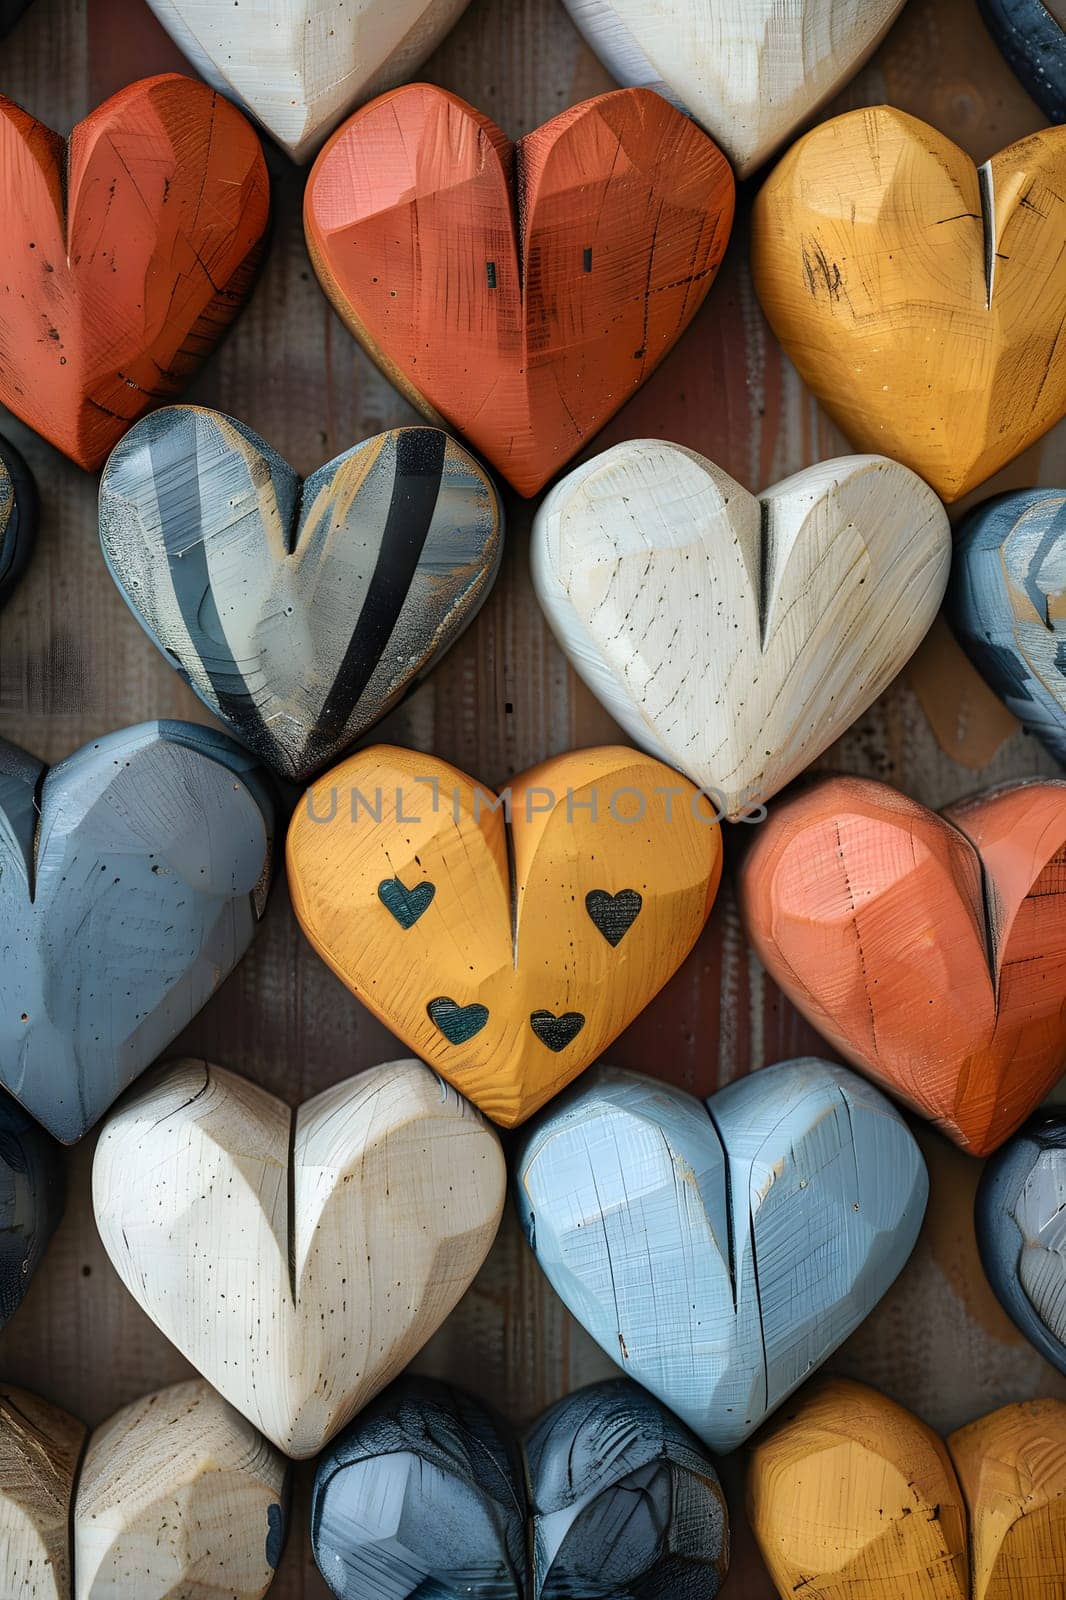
x,y
507,938
923,301
850,1495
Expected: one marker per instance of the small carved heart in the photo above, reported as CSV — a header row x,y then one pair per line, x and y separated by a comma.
x,y
457,1023
343,1232
851,1494
407,905
1020,1220
556,1032
613,914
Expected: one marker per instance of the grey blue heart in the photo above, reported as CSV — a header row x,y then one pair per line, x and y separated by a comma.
x,y
429,1495
132,879
1031,37
1020,1218
720,1252
406,905
18,516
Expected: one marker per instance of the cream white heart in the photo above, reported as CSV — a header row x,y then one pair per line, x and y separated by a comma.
x,y
736,636
299,66
751,71
298,1259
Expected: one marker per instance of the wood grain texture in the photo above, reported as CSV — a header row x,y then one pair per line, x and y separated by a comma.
x,y
40,1449
506,939
298,1259
527,335
125,254
750,71
132,879
720,1258
923,302
300,611
18,517
930,950
1032,36
734,636
73,663
31,1202
428,1491
1012,1468
178,1498
299,66
175,1497
1007,602
1020,1217
851,1493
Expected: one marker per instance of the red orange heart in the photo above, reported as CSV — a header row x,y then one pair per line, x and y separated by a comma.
x,y
930,949
518,293
123,255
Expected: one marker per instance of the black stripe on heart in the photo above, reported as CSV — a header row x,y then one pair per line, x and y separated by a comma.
x,y
613,914
556,1032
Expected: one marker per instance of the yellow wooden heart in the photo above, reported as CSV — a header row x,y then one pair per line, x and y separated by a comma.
x,y
923,301
401,871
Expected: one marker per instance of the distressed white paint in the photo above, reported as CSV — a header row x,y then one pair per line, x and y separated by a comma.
x,y
299,66
298,1280
734,636
751,71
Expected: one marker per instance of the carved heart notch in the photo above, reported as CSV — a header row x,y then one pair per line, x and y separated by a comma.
x,y
930,950
298,1259
299,611
719,1258
923,302
525,336
126,252
736,636
508,992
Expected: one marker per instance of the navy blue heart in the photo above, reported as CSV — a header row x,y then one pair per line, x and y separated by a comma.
x,y
457,1023
1004,601
406,905
1035,47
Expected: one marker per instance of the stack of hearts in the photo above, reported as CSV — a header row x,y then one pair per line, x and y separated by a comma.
x,y
717,1251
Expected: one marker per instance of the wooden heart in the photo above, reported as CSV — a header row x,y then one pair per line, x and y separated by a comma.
x,y
736,637
299,66
524,335
298,1259
125,254
18,517
930,950
750,71
1020,1217
298,610
850,1494
720,1258
429,1493
1032,36
174,1496
31,1202
132,879
1007,603
505,982
921,300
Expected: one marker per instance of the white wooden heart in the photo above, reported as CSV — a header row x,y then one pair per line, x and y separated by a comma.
x,y
734,636
751,71
298,1259
299,66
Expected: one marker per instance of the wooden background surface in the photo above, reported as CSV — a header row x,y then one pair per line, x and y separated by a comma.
x,y
74,664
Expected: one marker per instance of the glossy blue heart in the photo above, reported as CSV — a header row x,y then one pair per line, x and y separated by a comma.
x,y
428,1496
132,878
1020,1217
720,1258
1007,603
1035,46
